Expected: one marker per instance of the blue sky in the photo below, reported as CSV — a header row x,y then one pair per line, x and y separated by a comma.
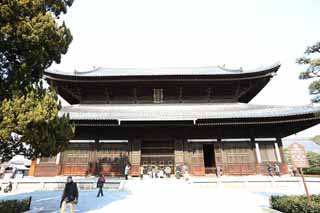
x,y
169,33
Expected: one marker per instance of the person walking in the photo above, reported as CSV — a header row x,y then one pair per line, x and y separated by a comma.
x,y
100,183
70,195
218,171
141,172
277,170
153,172
186,172
270,170
178,171
167,170
126,171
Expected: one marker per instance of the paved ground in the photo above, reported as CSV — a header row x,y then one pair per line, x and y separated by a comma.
x,y
168,195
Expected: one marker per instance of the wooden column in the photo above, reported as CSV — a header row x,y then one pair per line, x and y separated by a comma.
x,y
135,156
180,95
32,168
218,153
178,152
187,153
59,165
93,157
257,154
284,165
197,165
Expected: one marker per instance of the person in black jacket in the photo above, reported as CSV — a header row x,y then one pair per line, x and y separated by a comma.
x,y
100,184
70,195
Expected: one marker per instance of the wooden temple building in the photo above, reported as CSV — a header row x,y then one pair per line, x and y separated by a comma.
x,y
200,117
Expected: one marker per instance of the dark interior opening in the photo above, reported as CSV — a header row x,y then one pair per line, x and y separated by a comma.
x,y
209,159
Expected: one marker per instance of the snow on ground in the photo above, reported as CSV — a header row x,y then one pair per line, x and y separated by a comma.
x,y
49,201
165,195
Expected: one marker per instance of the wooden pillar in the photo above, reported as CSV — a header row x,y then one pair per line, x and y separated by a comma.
x,y
58,164
197,165
135,156
32,168
187,153
218,154
257,154
135,97
94,158
284,165
178,152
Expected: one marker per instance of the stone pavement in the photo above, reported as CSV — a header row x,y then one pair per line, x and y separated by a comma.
x,y
228,194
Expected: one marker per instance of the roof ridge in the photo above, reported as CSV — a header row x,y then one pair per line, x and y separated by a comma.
x,y
136,71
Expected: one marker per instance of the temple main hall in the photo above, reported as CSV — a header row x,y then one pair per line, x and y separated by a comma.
x,y
201,117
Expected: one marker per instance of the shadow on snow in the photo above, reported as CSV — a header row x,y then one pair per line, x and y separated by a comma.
x,y
49,201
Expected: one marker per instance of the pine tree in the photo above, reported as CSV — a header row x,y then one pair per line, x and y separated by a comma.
x,y
313,70
30,41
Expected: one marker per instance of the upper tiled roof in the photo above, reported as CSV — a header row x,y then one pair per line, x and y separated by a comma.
x,y
113,72
170,112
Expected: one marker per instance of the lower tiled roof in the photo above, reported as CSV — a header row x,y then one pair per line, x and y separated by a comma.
x,y
171,112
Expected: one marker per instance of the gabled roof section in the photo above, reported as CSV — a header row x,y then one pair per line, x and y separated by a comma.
x,y
178,71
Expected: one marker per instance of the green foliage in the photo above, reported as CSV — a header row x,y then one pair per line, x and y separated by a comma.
x,y
314,161
33,119
296,204
286,156
313,70
30,41
14,206
316,139
314,87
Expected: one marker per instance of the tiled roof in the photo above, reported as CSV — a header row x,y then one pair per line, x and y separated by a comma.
x,y
210,70
171,112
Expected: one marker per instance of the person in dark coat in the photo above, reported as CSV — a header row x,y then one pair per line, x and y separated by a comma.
x,y
100,183
70,195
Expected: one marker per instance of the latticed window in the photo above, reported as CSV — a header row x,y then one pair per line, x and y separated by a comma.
x,y
76,156
157,95
116,154
238,152
267,152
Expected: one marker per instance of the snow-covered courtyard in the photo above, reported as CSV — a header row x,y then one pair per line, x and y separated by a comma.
x,y
165,195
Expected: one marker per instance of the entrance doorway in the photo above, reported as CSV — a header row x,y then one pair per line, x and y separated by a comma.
x,y
209,158
157,155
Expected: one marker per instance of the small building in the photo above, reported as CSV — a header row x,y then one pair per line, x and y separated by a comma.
x,y
199,117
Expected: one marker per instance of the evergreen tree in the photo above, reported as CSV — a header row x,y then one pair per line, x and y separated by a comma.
x,y
30,41
312,60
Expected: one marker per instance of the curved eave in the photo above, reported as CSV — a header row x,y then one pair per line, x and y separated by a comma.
x,y
243,75
205,122
271,127
282,120
259,120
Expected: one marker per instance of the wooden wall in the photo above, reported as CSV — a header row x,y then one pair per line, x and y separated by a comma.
x,y
234,157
